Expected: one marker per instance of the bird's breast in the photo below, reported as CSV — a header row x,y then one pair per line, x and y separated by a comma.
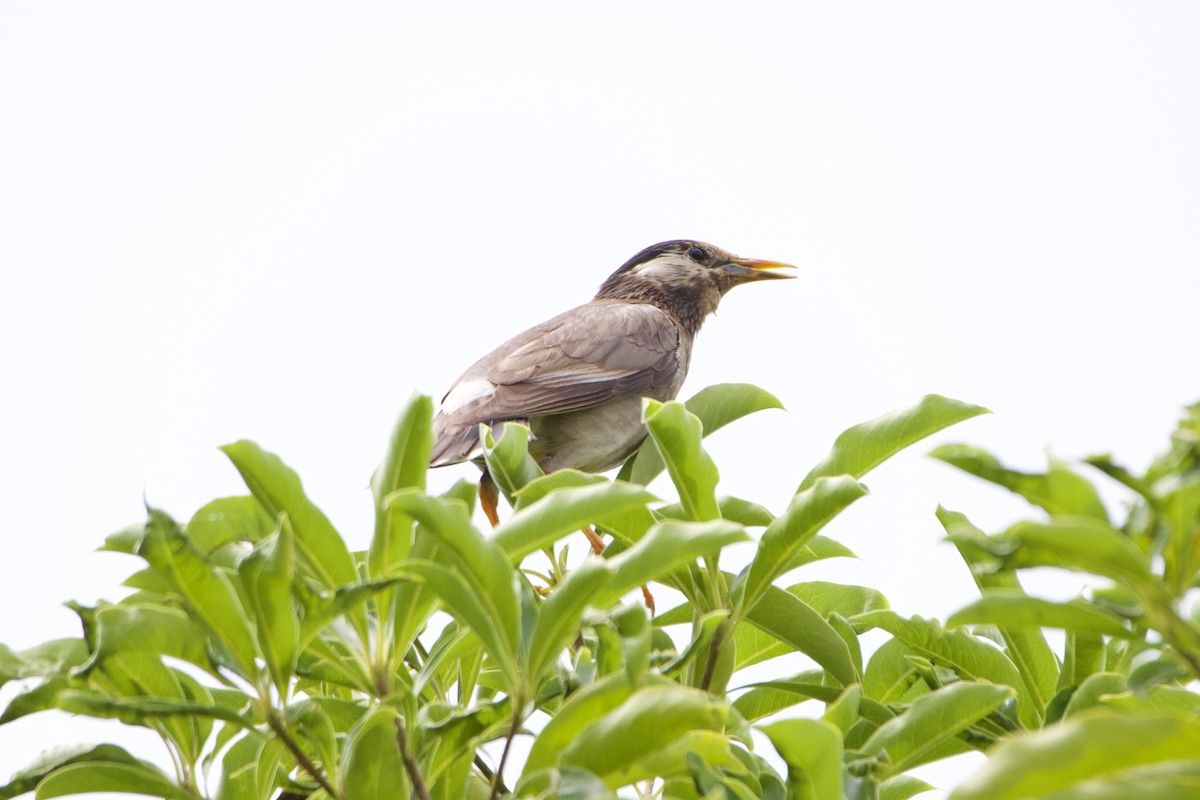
x,y
593,440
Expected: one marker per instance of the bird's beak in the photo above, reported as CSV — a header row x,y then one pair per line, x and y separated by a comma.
x,y
744,270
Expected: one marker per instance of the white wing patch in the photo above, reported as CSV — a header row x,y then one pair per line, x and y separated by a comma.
x,y
467,392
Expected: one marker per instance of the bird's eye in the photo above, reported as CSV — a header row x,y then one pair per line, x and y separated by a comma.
x,y
698,254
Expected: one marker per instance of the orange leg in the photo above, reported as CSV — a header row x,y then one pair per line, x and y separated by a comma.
x,y
649,600
596,542
489,498
598,548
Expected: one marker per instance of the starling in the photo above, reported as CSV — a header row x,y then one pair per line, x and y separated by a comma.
x,y
578,380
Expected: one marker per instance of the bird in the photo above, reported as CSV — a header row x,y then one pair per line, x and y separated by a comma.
x,y
578,380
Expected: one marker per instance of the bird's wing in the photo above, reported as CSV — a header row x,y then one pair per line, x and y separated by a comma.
x,y
577,360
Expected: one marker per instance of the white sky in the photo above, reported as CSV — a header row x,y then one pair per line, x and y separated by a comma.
x,y
276,220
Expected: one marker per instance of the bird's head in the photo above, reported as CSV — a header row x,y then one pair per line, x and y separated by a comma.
x,y
686,278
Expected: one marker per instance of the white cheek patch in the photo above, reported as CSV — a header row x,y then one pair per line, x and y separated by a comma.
x,y
467,392
663,268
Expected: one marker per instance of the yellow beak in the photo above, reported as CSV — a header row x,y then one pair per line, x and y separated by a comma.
x,y
743,270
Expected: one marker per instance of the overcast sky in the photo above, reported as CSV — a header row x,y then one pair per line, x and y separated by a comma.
x,y
277,220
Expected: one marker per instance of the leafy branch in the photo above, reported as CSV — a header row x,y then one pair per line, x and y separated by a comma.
x,y
274,662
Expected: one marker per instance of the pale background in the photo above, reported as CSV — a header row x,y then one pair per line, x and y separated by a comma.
x,y
277,220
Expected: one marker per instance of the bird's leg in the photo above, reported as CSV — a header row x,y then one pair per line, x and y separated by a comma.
x,y
596,542
648,599
489,497
598,548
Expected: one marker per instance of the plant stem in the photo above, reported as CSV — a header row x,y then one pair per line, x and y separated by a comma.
x,y
713,574
410,763
714,652
498,780
488,775
306,764
1190,650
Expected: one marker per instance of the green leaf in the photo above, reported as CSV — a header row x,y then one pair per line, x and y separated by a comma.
x,y
1077,543
902,787
267,576
637,639
1019,610
154,629
45,660
1083,655
169,696
1181,508
839,598
1058,490
90,777
765,699
137,710
372,768
809,511
570,783
743,512
1168,782
1160,671
559,617
911,738
889,674
403,467
812,750
791,620
1097,746
42,697
827,599
27,779
711,747
769,697
715,406
470,604
543,485
678,435
1092,691
239,770
972,658
127,539
508,460
278,488
667,547
862,448
650,720
818,548
459,734
267,768
1160,699
229,519
843,712
205,592
482,586
564,511
711,780
753,646
580,711
1026,647
412,604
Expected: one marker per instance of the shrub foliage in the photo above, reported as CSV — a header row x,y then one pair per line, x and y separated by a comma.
x,y
274,662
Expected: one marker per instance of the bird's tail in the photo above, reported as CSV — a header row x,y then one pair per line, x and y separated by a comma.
x,y
455,442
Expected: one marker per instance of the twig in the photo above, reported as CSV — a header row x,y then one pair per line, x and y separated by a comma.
x,y
410,763
488,775
498,780
714,651
302,759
